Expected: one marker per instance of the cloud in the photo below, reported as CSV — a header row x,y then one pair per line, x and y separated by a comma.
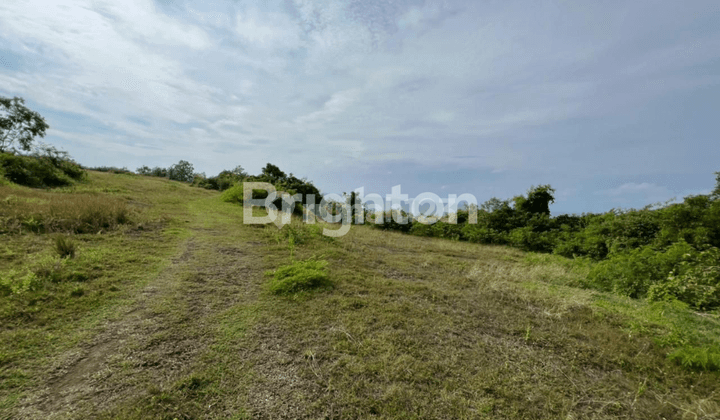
x,y
520,90
268,31
338,103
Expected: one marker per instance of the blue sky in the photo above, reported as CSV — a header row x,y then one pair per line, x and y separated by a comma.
x,y
615,104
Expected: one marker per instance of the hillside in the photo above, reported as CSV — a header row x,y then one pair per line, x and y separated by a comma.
x,y
165,308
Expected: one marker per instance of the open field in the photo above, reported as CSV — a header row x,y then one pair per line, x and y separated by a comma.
x,y
166,313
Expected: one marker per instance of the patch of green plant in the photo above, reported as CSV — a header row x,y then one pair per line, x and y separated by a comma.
x,y
18,282
64,247
32,171
632,272
697,358
697,284
233,194
300,276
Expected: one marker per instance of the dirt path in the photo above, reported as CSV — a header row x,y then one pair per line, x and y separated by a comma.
x,y
156,340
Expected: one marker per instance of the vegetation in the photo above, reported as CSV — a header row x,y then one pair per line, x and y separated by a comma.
x,y
300,276
135,297
19,125
168,317
667,253
24,210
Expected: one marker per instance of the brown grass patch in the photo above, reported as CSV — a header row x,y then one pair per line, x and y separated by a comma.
x,y
45,211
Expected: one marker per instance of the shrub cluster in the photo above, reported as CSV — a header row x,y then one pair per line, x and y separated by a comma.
x,y
111,169
300,276
44,168
181,171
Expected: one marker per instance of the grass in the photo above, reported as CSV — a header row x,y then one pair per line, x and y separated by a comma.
x,y
300,276
173,321
24,209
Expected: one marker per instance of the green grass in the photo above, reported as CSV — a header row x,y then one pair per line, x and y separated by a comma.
x,y
300,276
169,317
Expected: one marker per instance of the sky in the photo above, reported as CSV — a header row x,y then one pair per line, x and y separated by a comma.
x,y
615,104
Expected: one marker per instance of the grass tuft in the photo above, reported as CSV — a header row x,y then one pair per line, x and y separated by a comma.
x,y
300,276
64,247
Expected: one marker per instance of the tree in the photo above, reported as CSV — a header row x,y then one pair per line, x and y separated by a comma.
x,y
18,124
273,173
538,200
716,192
182,171
144,170
239,172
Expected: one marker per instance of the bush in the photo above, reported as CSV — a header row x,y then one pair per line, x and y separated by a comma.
x,y
527,239
697,358
300,276
182,171
633,272
484,235
697,283
233,195
389,222
64,247
111,169
15,282
32,172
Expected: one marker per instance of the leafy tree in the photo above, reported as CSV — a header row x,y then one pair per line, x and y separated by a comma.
x,y
716,192
18,124
538,200
273,173
144,170
182,171
239,172
159,172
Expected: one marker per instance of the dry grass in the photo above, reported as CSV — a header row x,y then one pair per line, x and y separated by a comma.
x,y
23,209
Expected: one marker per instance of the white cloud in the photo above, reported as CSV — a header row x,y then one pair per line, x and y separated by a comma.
x,y
337,104
268,30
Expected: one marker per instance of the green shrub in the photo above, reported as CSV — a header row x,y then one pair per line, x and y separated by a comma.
x,y
527,239
299,276
233,194
389,222
15,282
64,247
697,358
32,172
633,272
695,283
483,234
112,170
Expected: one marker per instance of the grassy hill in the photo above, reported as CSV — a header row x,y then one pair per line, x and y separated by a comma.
x,y
135,297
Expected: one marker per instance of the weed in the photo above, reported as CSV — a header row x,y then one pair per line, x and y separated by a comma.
x,y
64,247
299,276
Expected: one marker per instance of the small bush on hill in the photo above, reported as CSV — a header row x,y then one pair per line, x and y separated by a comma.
x,y
111,169
32,172
696,283
633,272
64,247
233,195
300,276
